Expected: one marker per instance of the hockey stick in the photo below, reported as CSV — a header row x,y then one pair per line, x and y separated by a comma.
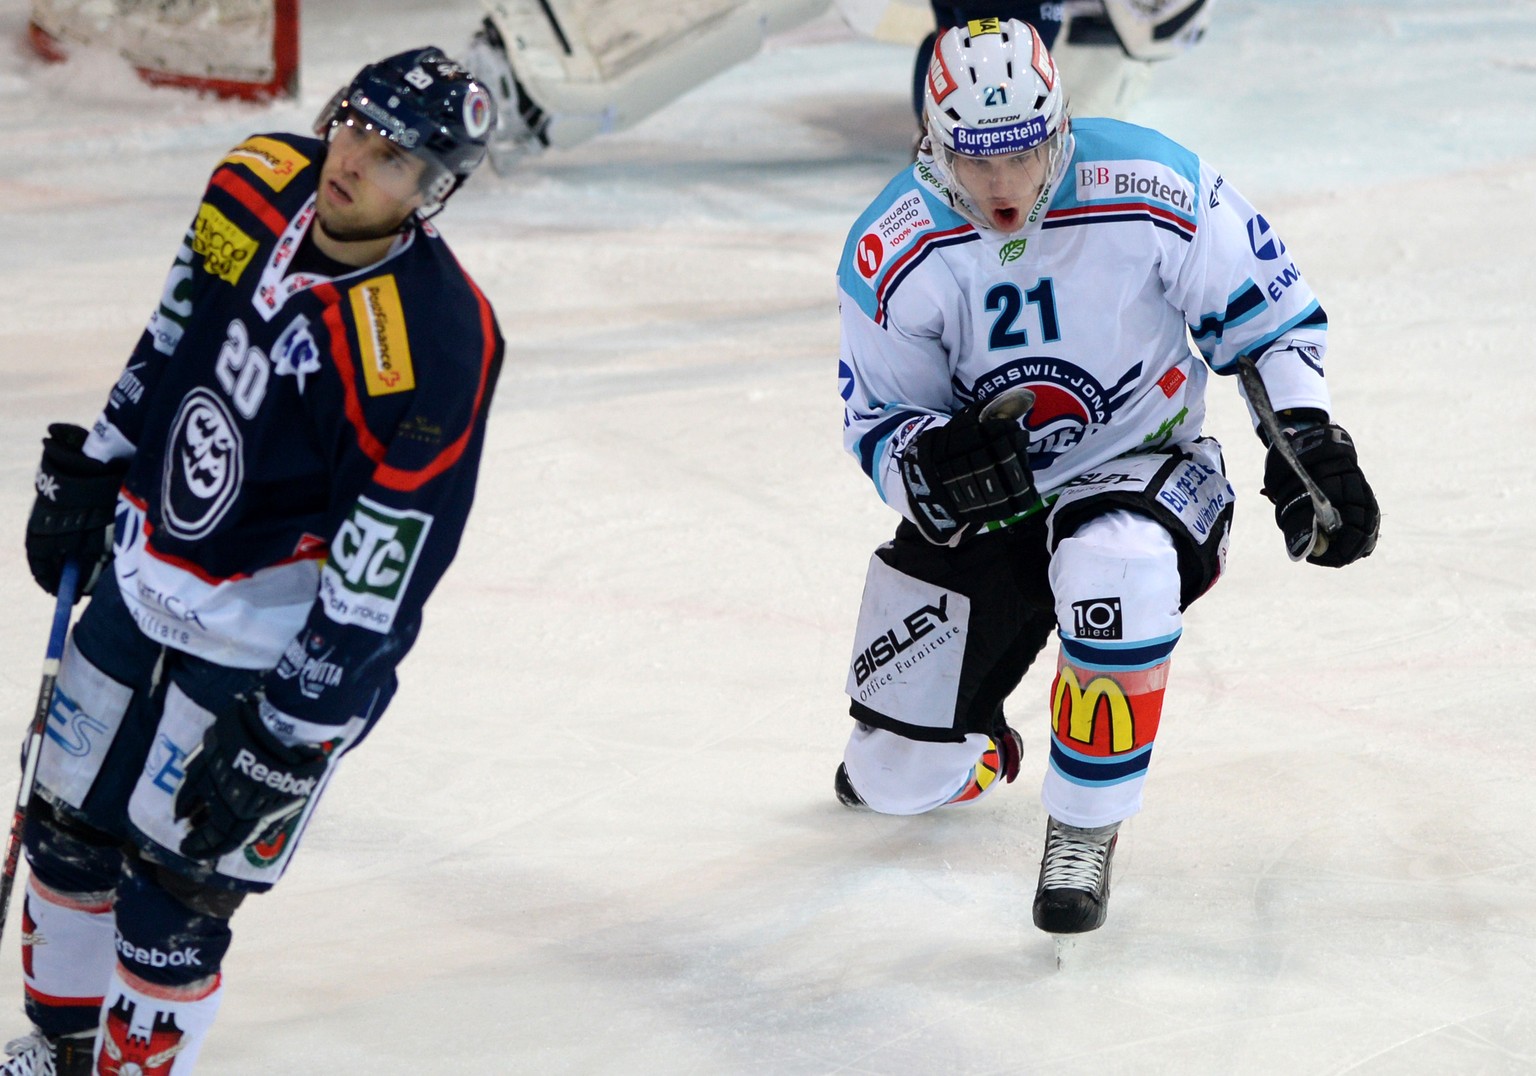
x,y
1327,516
69,580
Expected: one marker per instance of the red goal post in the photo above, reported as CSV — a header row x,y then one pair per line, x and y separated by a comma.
x,y
247,49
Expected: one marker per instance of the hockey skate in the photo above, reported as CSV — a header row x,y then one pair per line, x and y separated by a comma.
x,y
846,795
520,123
1073,894
38,1055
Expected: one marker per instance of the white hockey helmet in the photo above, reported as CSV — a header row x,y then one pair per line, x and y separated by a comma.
x,y
992,90
1158,29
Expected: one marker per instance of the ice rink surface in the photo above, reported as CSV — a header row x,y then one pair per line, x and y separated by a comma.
x,y
596,832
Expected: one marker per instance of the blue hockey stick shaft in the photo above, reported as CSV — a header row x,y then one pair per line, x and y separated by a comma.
x,y
69,581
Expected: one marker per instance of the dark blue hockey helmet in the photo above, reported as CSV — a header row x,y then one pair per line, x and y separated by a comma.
x,y
426,103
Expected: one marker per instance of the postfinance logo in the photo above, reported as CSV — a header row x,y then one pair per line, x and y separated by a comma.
x,y
386,348
1077,710
274,163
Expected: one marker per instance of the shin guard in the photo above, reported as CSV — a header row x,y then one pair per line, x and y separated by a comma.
x,y
154,1030
66,957
1103,724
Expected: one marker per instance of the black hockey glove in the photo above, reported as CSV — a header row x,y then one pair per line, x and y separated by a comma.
x,y
1328,455
966,471
243,782
72,514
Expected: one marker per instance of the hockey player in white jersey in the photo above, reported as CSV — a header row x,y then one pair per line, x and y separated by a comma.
x,y
1027,259
1106,49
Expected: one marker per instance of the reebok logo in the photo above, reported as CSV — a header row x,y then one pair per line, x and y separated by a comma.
x,y
156,958
277,780
47,485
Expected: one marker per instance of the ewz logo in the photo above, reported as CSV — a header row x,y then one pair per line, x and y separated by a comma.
x,y
1265,243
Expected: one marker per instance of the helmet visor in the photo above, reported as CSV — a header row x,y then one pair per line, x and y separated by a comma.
x,y
1005,188
434,178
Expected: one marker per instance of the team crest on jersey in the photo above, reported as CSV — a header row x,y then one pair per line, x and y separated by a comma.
x,y
274,163
894,229
1068,400
204,466
386,349
226,250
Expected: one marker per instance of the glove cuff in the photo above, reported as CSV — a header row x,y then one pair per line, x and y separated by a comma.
x,y
275,732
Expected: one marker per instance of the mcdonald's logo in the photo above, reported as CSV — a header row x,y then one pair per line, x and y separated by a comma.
x,y
1077,711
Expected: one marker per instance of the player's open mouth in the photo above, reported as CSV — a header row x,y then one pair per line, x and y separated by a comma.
x,y
337,194
1006,218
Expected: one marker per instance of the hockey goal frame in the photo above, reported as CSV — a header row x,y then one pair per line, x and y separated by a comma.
x,y
284,80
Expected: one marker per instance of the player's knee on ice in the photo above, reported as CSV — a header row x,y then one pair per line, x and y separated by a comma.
x,y
896,775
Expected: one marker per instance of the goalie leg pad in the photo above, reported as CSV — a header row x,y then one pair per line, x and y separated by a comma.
x,y
1117,585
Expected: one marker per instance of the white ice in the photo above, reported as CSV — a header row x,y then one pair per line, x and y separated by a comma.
x,y
596,833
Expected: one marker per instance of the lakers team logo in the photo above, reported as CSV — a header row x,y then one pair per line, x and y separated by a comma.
x,y
1068,401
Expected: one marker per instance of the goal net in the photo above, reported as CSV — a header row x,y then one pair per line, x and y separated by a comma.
x,y
232,48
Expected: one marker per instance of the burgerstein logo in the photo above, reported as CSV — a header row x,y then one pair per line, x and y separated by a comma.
x,y
994,141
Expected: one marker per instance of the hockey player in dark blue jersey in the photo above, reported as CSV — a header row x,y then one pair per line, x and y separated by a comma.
x,y
278,480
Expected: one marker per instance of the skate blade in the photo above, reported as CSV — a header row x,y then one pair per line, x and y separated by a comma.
x,y
1065,943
